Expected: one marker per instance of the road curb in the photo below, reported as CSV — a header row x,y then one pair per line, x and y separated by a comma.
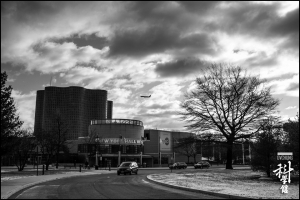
x,y
199,191
9,194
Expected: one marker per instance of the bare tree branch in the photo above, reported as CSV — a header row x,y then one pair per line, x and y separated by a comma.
x,y
228,101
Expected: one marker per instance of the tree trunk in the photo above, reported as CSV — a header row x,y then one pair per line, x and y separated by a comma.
x,y
47,164
229,154
268,165
56,160
22,166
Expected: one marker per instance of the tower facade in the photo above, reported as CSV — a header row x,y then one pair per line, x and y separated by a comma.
x,y
74,107
109,109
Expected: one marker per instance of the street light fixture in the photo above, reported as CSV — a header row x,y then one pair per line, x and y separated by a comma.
x,y
97,140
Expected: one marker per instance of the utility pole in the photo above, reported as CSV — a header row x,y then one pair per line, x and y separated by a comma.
x,y
119,159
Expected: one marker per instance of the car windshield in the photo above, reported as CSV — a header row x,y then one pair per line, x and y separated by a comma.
x,y
125,165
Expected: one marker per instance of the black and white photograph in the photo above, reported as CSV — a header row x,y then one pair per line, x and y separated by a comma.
x,y
149,99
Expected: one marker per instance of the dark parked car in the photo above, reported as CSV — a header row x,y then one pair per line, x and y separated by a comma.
x,y
128,168
202,164
178,165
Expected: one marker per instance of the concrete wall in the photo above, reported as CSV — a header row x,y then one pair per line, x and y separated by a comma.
x,y
152,146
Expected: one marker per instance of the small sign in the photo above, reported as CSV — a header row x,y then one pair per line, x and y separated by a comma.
x,y
284,155
121,141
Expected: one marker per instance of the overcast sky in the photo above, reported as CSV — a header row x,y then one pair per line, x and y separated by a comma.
x,y
142,48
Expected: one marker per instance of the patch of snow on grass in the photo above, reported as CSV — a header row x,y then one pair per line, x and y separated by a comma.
x,y
232,182
11,178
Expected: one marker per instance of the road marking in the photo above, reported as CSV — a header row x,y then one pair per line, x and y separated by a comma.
x,y
31,191
144,181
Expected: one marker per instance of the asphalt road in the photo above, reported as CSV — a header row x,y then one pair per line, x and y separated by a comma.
x,y
107,186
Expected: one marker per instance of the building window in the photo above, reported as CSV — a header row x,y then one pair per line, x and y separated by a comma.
x,y
147,136
164,160
115,148
155,160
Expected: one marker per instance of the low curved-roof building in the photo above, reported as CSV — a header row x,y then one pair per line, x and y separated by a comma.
x,y
111,136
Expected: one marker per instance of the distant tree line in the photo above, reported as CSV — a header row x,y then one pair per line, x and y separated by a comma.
x,y
275,136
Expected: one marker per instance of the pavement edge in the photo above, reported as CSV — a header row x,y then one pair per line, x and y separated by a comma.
x,y
9,194
196,190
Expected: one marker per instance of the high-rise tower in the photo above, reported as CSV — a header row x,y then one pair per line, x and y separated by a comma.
x,y
75,106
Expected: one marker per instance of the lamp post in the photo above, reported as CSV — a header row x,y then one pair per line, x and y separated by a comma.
x,y
37,161
142,139
243,151
97,140
119,159
173,147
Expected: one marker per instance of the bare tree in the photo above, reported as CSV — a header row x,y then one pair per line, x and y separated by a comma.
x,y
228,101
186,146
90,141
22,146
60,131
54,139
47,144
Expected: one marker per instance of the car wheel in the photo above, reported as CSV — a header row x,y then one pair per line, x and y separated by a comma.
x,y
118,174
124,173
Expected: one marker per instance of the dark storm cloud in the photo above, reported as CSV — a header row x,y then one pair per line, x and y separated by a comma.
x,y
248,18
147,10
293,86
180,67
288,24
13,68
262,19
143,42
259,20
261,59
30,11
157,39
84,40
203,43
199,7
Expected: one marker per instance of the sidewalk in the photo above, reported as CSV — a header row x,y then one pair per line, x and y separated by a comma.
x,y
10,187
